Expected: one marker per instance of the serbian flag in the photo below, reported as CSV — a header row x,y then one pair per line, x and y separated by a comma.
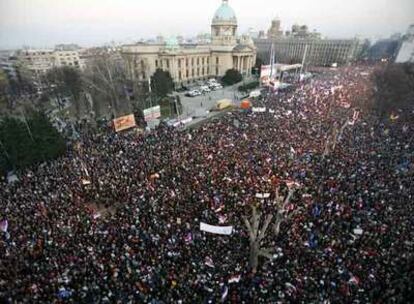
x,y
4,224
291,183
354,280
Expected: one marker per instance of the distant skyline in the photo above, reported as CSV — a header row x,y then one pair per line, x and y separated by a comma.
x,y
45,23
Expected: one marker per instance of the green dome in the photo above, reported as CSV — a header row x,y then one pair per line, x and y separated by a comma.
x,y
172,43
225,13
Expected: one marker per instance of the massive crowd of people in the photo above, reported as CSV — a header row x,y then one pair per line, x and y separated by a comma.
x,y
117,220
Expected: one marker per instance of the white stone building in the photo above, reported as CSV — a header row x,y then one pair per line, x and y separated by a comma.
x,y
188,63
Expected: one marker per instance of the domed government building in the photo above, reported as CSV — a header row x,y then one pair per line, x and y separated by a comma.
x,y
190,62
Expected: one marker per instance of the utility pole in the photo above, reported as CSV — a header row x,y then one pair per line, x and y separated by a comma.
x,y
303,59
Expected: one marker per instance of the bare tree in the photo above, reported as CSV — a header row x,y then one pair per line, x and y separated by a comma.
x,y
106,77
281,203
333,138
256,236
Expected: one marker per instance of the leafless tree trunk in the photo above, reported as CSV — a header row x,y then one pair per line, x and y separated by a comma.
x,y
281,204
256,236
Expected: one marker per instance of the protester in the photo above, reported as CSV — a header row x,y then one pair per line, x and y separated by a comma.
x,y
117,220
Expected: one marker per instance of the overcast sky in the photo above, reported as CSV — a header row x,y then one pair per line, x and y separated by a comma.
x,y
44,23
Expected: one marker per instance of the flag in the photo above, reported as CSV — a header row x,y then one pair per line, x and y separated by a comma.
x,y
209,262
4,224
234,279
355,116
222,219
63,293
262,195
394,117
316,211
188,238
224,293
86,182
96,215
84,168
354,280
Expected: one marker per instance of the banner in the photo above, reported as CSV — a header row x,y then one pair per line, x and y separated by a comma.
x,y
262,195
4,224
225,230
124,122
152,113
267,74
259,110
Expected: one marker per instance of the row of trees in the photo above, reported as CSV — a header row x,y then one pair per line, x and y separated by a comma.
x,y
103,88
394,90
28,140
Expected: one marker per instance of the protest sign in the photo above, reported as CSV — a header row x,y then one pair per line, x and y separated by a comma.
x,y
224,230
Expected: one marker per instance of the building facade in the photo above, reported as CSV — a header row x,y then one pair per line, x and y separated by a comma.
x,y
406,51
191,62
319,52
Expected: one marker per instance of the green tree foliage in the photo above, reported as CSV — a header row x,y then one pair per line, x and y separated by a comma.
x,y
258,66
394,88
232,76
248,86
4,86
24,142
161,83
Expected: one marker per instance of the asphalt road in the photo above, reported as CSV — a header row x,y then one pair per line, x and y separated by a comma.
x,y
206,102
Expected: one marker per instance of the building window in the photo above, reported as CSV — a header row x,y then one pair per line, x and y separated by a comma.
x,y
202,60
192,72
217,71
179,75
179,63
186,62
198,61
186,73
217,60
168,63
208,60
156,63
192,61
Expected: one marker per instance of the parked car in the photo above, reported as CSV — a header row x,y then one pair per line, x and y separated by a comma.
x,y
205,89
216,86
193,93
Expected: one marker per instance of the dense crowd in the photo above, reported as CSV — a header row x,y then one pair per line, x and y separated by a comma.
x,y
117,219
